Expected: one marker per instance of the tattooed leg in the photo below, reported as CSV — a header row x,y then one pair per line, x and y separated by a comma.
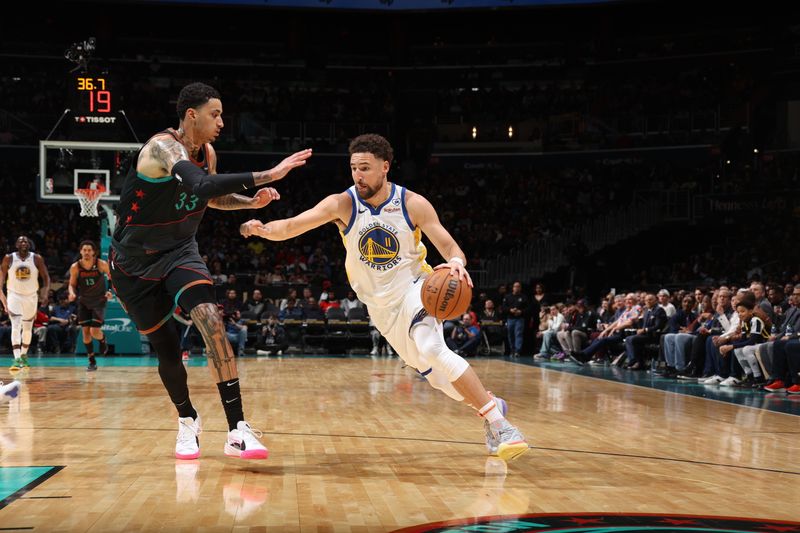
x,y
221,361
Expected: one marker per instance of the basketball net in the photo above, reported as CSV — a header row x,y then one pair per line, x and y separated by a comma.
x,y
89,198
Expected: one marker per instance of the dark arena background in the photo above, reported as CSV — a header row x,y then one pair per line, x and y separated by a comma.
x,y
621,176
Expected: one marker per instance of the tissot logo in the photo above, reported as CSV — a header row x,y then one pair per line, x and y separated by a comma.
x,y
606,523
89,119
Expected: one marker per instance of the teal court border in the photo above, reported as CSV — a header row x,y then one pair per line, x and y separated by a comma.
x,y
758,399
16,481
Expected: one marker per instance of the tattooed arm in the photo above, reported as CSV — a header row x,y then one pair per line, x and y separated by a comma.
x,y
160,155
233,201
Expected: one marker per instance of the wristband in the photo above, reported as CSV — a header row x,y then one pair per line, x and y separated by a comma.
x,y
456,260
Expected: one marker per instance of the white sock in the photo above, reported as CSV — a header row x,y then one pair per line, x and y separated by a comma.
x,y
491,412
17,353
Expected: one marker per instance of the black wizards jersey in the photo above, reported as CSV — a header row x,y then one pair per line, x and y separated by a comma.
x,y
91,285
157,214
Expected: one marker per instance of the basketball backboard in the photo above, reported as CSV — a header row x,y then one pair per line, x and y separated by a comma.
x,y
65,166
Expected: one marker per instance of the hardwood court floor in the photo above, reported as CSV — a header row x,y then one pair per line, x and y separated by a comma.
x,y
362,444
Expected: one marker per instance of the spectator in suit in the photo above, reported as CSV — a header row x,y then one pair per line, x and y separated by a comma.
x,y
650,328
775,361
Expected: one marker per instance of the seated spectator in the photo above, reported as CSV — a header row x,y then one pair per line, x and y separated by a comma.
x,y
231,303
613,334
271,339
554,321
291,294
651,327
61,330
40,323
665,304
753,331
772,354
678,339
575,334
716,365
380,346
491,323
350,302
292,311
312,310
329,301
255,305
465,337
216,273
236,330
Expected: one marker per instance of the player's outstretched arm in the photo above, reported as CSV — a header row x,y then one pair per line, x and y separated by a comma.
x,y
334,208
263,197
424,215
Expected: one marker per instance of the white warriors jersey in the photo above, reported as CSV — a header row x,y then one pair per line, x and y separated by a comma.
x,y
385,254
23,276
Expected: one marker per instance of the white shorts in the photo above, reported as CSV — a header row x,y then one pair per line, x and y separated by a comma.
x,y
394,323
23,305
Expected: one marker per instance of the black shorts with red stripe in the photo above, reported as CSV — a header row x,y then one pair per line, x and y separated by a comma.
x,y
150,295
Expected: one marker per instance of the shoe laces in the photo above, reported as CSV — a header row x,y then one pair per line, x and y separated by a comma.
x,y
255,432
187,432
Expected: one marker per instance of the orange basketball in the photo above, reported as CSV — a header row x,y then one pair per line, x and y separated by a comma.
x,y
445,296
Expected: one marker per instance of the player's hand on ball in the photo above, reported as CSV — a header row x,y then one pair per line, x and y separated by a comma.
x,y
250,228
264,196
457,269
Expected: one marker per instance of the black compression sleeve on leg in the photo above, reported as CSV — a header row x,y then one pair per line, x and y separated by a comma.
x,y
207,186
166,343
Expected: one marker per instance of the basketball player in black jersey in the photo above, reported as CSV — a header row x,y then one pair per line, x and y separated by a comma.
x,y
156,266
87,283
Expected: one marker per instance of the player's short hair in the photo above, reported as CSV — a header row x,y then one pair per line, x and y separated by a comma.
x,y
374,144
89,243
194,95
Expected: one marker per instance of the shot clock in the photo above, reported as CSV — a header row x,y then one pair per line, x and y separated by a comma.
x,y
93,99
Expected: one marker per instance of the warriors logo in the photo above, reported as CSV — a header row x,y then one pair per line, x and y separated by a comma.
x,y
23,273
379,247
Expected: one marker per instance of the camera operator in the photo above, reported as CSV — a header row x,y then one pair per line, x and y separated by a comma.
x,y
465,337
272,338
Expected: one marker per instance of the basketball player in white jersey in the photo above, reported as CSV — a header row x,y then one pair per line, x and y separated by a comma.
x,y
381,225
20,272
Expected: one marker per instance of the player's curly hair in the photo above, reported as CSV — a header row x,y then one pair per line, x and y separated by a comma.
x,y
89,243
374,144
194,95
